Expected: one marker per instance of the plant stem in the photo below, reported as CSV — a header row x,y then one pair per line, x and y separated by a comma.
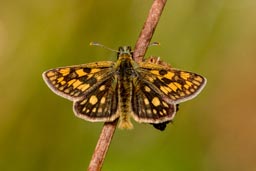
x,y
101,148
148,29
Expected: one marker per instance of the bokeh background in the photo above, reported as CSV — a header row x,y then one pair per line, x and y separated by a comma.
x,y
215,131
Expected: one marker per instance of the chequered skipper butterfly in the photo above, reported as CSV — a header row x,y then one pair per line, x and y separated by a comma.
x,y
147,91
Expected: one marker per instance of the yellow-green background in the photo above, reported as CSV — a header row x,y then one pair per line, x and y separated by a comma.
x,y
213,132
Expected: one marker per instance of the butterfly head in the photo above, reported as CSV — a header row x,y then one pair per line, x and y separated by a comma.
x,y
124,51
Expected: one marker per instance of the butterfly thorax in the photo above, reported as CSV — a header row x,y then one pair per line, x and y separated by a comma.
x,y
125,67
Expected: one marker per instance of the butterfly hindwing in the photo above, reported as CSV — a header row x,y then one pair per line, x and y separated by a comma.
x,y
149,106
100,104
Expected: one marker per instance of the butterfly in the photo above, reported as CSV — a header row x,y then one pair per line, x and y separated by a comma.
x,y
147,91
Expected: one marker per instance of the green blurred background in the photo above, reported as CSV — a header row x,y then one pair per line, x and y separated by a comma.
x,y
215,131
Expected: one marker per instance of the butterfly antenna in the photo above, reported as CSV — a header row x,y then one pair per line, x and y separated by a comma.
x,y
100,45
154,44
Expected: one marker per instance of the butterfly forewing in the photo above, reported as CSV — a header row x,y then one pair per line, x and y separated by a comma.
x,y
72,82
177,85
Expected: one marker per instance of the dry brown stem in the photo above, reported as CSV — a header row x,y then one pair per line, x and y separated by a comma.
x,y
101,148
148,29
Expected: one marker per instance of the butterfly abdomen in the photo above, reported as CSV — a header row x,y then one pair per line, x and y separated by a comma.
x,y
125,77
